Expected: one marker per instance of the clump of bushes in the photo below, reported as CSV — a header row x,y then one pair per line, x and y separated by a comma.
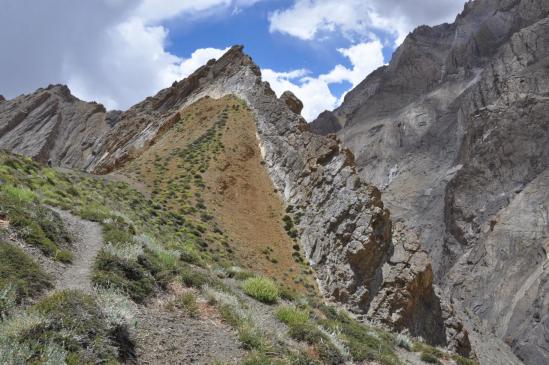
x,y
19,272
363,342
35,224
113,270
66,327
262,289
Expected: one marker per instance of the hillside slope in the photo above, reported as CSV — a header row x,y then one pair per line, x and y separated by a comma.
x,y
454,131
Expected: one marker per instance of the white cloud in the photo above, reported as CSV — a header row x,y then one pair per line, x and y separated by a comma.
x,y
309,19
111,51
158,10
314,91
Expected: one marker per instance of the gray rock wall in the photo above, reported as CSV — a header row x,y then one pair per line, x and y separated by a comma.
x,y
454,131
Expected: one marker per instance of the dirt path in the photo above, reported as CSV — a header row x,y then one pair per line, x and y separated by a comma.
x,y
162,336
171,337
87,242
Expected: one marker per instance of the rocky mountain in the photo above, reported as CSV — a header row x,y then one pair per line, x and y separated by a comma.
x,y
342,225
454,131
52,124
426,212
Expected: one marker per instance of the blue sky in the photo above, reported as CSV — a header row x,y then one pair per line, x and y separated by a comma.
x,y
118,52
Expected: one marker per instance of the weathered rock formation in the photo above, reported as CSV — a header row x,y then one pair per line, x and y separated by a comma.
x,y
455,130
51,124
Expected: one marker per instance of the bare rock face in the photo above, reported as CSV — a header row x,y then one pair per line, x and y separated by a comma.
x,y
2,98
51,124
408,300
455,132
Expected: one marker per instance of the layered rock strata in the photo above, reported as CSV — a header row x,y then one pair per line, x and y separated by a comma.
x,y
51,124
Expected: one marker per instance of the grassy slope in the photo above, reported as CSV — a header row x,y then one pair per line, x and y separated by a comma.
x,y
208,168
211,207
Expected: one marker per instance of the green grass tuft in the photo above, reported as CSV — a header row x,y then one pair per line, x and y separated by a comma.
x,y
262,289
292,316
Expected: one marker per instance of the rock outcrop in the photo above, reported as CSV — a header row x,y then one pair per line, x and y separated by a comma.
x,y
455,132
51,124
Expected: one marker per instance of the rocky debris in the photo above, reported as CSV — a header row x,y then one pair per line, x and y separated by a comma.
x,y
455,129
51,124
292,102
2,98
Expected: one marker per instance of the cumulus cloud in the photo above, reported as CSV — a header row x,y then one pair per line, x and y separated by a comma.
x,y
158,10
309,19
111,51
315,91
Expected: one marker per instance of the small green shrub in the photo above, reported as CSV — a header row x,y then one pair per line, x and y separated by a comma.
x,y
292,316
67,326
94,213
257,358
194,278
187,303
114,234
18,270
230,316
460,360
239,274
308,332
126,275
64,256
288,294
262,289
427,349
251,339
363,342
428,357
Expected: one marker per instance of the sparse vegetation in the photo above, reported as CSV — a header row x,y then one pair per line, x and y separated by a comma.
x,y
66,327
18,272
429,358
186,302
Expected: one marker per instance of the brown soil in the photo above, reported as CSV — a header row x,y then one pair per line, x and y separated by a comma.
x,y
233,185
243,198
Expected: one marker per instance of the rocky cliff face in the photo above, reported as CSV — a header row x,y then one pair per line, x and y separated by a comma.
x,y
51,124
343,226
455,132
